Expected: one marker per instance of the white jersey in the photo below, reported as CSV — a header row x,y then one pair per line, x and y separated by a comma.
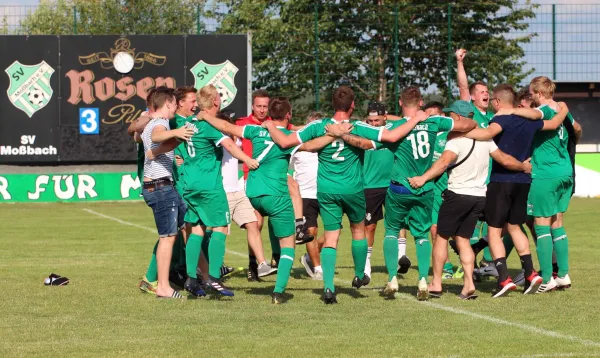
x,y
230,171
162,165
469,177
306,165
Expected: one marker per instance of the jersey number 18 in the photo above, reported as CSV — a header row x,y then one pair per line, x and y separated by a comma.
x,y
420,144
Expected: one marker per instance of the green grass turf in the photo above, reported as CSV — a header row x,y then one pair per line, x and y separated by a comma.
x,y
102,313
589,160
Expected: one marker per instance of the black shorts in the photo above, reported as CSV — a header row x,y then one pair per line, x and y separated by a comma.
x,y
310,210
374,198
506,203
459,214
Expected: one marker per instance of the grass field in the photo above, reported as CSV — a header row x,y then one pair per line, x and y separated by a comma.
x,y
104,249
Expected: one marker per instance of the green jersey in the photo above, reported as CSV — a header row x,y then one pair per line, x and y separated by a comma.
x,y
414,153
377,168
441,183
201,170
482,118
271,176
550,158
177,122
340,165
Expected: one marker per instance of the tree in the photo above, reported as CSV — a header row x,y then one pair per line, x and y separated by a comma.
x,y
114,17
355,42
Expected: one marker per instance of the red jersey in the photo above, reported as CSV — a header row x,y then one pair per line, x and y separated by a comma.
x,y
246,143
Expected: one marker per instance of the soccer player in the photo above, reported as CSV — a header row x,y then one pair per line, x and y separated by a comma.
x,y
340,184
412,157
242,212
478,95
506,199
158,188
267,186
464,200
305,165
204,193
377,170
552,182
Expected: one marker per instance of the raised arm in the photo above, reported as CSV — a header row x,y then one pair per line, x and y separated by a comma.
x,y
558,119
403,130
236,152
221,125
529,113
509,162
485,133
461,75
138,124
342,131
316,144
435,171
281,139
464,125
161,134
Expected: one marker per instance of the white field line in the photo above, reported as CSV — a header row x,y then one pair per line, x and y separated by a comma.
x,y
524,327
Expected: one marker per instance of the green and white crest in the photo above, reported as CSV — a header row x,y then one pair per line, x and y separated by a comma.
x,y
29,88
221,76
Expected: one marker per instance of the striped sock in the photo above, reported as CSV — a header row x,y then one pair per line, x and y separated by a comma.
x,y
285,266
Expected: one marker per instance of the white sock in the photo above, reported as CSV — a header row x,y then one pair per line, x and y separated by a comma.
x,y
318,269
401,247
368,263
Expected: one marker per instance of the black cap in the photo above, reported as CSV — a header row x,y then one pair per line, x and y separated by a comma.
x,y
376,109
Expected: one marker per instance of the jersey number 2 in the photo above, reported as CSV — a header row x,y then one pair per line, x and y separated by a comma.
x,y
420,144
340,144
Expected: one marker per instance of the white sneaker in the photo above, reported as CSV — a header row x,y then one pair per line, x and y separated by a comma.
x,y
423,290
308,265
547,287
391,287
318,276
564,282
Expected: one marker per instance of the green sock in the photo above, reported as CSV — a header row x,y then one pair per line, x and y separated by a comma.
x,y
390,254
423,256
328,257
275,248
216,251
448,267
360,249
205,245
508,244
192,254
544,251
561,247
283,271
152,273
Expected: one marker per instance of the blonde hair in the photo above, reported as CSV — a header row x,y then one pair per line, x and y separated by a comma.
x,y
206,97
543,85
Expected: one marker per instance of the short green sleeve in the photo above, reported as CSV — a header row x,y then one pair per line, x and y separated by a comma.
x,y
250,131
366,131
445,124
547,112
311,131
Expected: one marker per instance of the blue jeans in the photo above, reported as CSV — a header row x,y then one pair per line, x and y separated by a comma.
x,y
168,209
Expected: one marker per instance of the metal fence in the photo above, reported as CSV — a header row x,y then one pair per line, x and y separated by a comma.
x,y
305,48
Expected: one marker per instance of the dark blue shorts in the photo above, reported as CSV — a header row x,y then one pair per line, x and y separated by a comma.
x,y
168,208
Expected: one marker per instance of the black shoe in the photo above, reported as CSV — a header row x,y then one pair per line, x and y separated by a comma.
x,y
275,260
178,278
226,271
329,297
253,274
454,247
302,237
478,246
276,298
194,287
358,283
217,286
403,265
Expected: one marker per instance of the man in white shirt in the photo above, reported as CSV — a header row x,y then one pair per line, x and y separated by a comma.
x,y
305,166
467,162
242,212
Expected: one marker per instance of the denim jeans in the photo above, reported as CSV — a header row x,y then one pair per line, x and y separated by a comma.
x,y
168,209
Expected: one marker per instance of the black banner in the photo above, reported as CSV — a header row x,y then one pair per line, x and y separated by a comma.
x,y
30,109
78,94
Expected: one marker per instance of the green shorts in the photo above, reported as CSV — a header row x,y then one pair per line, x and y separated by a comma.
x,y
208,208
333,206
280,211
549,197
414,209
